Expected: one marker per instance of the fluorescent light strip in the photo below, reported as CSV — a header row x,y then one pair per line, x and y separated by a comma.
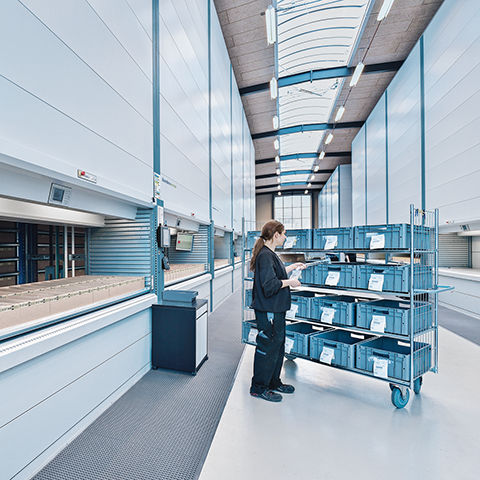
x,y
340,113
271,23
275,122
387,5
276,144
273,88
277,159
322,155
356,74
329,138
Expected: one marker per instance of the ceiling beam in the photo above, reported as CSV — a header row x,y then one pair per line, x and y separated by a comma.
x,y
303,155
307,128
294,172
327,73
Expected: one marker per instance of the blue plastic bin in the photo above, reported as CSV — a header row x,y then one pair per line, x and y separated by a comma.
x,y
342,342
300,333
248,297
246,327
303,238
344,237
343,305
397,315
398,357
348,274
397,236
396,278
302,299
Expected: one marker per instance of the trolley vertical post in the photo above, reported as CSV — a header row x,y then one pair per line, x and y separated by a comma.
x,y
412,295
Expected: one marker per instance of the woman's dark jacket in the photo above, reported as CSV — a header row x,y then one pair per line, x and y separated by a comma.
x,y
268,294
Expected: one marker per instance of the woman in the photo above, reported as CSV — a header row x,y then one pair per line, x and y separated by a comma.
x,y
271,294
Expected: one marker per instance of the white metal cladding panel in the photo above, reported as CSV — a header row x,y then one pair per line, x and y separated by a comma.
x,y
404,140
453,251
358,178
376,165
199,253
143,11
345,195
81,376
452,102
475,252
123,247
103,125
334,198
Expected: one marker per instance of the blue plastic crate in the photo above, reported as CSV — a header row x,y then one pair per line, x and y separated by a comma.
x,y
300,333
303,238
302,299
246,328
343,305
398,356
344,238
347,271
397,236
396,278
343,344
252,237
308,275
248,297
397,315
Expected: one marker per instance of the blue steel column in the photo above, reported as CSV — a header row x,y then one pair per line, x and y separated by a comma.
x,y
422,119
386,156
157,254
211,260
232,255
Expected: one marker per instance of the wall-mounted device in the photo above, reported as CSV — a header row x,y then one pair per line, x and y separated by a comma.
x,y
184,242
163,237
60,195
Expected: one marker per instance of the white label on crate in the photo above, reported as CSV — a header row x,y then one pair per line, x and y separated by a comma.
x,y
380,367
327,355
252,336
289,242
378,324
376,282
377,241
327,315
289,342
332,278
331,241
290,314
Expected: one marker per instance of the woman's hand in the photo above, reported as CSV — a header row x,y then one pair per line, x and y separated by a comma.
x,y
294,266
291,282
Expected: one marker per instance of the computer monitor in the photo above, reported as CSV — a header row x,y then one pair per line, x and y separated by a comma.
x,y
184,242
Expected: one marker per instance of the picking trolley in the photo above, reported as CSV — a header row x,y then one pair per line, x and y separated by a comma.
x,y
377,317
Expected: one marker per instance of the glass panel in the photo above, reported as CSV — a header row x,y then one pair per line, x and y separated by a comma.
x,y
297,201
287,201
297,223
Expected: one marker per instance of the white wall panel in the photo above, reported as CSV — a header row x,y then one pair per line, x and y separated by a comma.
x,y
376,165
345,195
452,102
358,178
88,99
404,140
334,198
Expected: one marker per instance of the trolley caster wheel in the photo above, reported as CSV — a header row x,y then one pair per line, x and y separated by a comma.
x,y
417,385
290,357
398,399
392,386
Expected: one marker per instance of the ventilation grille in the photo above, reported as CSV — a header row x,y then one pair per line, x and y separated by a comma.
x,y
453,251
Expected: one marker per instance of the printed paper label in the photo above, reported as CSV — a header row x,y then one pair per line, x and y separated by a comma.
x,y
289,342
379,322
327,315
331,241
289,242
252,336
327,355
377,241
380,367
296,274
290,314
332,278
376,282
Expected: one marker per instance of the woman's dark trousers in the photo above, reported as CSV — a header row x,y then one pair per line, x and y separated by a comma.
x,y
269,352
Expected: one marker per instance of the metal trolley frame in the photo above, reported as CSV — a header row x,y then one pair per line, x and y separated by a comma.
x,y
421,342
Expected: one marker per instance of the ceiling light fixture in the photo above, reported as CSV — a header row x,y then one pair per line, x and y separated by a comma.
x,y
306,191
275,122
309,185
387,5
279,194
277,159
329,138
356,74
279,187
273,88
340,113
322,155
276,144
279,179
271,22
316,168
278,171
312,177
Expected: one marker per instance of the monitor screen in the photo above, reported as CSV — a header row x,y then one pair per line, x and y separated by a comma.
x,y
184,242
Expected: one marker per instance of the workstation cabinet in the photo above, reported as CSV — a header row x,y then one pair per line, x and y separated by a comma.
x,y
376,317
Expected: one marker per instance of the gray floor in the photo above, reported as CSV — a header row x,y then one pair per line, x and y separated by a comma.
x,y
340,425
163,426
464,325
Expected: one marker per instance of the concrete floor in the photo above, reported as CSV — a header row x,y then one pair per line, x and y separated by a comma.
x,y
339,425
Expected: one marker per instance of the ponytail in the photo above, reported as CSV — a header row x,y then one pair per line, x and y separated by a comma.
x,y
268,231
